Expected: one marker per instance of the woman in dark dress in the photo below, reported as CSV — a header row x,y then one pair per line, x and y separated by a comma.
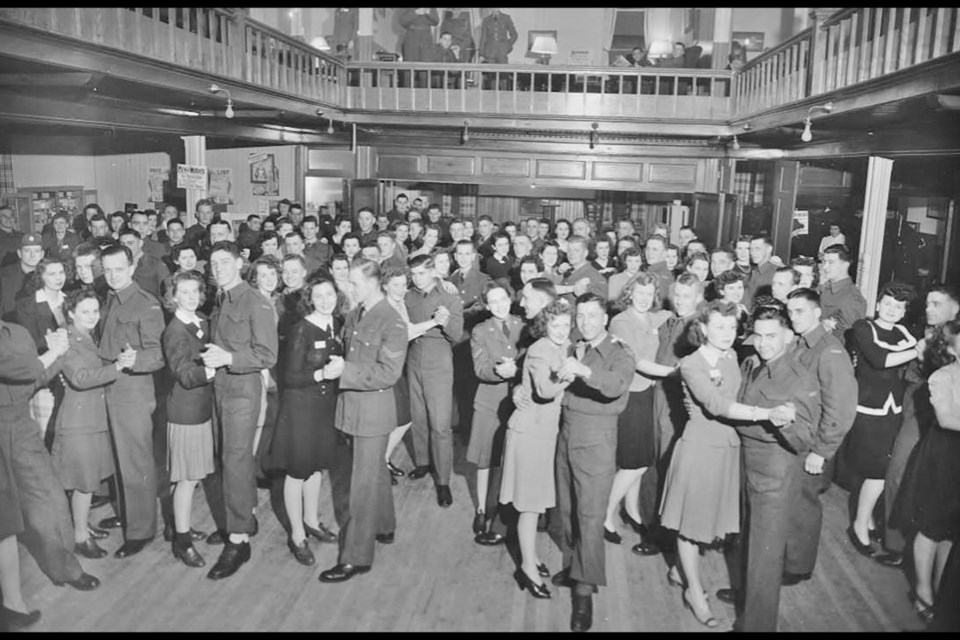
x,y
880,348
929,502
394,283
190,450
305,439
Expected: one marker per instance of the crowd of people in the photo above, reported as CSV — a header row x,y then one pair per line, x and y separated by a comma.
x,y
706,396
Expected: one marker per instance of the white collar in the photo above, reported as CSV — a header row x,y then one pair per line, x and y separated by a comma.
x,y
42,297
186,317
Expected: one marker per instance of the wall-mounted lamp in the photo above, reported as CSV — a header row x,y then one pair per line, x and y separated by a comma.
x,y
330,126
594,135
215,89
465,134
735,144
746,126
807,135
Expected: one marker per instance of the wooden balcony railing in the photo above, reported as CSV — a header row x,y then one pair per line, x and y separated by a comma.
x,y
538,90
850,47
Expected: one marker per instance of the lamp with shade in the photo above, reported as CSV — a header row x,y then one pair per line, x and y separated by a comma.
x,y
320,43
659,49
544,46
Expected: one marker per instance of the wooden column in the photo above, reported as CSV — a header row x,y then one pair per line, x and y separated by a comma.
x,y
196,154
722,32
786,177
871,232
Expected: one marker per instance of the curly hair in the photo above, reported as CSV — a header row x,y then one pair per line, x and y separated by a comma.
x,y
305,295
36,281
899,291
553,310
937,353
270,262
696,337
641,279
74,298
170,294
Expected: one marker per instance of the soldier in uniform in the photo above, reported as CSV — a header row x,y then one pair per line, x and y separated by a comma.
x,y
823,356
601,373
497,35
13,277
773,460
456,22
33,504
470,283
573,282
132,320
760,282
243,341
430,373
417,42
9,236
841,301
197,235
375,339
149,270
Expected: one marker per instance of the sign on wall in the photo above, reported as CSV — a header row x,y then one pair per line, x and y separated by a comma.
x,y
221,186
191,177
156,176
264,175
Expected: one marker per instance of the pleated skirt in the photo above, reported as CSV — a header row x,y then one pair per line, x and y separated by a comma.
x,y
190,452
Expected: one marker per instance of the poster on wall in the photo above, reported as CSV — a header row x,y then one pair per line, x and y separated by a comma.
x,y
156,176
264,175
801,223
191,177
221,186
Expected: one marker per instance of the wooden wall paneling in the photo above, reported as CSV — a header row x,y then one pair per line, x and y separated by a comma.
x,y
447,165
618,171
576,169
398,166
505,167
673,175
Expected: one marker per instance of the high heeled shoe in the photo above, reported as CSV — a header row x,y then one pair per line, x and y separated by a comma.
x,y
704,618
862,549
630,522
524,581
923,609
611,536
395,471
321,533
543,571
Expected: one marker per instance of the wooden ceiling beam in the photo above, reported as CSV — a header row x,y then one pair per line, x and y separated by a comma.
x,y
64,79
897,142
23,108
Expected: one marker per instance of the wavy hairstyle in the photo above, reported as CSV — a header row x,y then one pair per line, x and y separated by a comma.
x,y
937,353
559,307
695,337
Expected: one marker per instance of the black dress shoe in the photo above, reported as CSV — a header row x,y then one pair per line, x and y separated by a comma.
x,y
188,555
16,620
231,558
301,552
524,581
479,522
97,534
130,548
321,533
98,501
543,571
444,497
611,536
562,578
168,531
646,548
386,538
489,539
342,572
727,596
217,537
85,582
889,559
419,472
582,617
790,579
395,471
112,522
89,549
862,549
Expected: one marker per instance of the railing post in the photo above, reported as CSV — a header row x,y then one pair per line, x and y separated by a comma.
x,y
816,71
238,36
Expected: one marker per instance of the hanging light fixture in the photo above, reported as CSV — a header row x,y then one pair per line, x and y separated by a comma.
x,y
215,89
807,134
594,134
465,134
330,127
735,144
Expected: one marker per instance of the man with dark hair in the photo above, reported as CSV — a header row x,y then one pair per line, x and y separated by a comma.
x,y
366,221
81,223
118,220
485,236
375,340
296,214
809,273
249,232
942,306
100,231
654,252
401,204
243,342
470,283
14,277
390,257
132,323
785,280
9,236
316,251
149,271
761,275
842,302
434,215
600,369
89,273
197,234
140,223
773,460
61,239
430,373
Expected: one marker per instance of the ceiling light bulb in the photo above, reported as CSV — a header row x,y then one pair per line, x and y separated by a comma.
x,y
807,135
214,88
229,112
330,127
736,144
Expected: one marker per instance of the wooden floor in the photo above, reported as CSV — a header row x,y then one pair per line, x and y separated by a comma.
x,y
434,578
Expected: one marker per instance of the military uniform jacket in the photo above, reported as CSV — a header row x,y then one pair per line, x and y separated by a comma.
x,y
843,302
823,355
471,286
760,282
21,371
605,393
421,307
771,384
376,347
489,345
84,406
132,316
598,284
497,35
244,325
12,287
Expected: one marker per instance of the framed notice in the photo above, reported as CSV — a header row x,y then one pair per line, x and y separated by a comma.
x,y
191,177
221,186
264,176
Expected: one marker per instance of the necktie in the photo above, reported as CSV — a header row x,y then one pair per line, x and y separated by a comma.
x,y
221,296
505,328
756,372
360,313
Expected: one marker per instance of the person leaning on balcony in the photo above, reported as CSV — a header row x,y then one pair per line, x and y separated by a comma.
x,y
638,58
417,44
738,56
457,23
675,61
497,35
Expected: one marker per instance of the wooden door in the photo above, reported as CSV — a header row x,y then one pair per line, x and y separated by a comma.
x,y
707,217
